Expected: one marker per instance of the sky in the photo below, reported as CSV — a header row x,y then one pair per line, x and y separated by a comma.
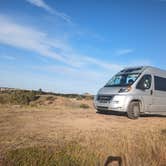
x,y
77,46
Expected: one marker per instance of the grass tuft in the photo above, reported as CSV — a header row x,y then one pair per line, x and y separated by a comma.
x,y
85,106
144,149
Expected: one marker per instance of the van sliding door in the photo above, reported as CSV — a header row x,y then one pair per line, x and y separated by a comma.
x,y
159,94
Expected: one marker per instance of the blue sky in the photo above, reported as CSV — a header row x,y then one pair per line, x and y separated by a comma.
x,y
76,46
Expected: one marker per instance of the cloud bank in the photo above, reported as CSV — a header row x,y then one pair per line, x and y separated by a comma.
x,y
31,39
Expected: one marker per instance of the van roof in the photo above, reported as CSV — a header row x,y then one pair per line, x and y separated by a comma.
x,y
137,69
140,69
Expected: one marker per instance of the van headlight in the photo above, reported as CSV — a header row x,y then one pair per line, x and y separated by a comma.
x,y
127,89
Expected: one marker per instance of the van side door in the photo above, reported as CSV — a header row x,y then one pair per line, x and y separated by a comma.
x,y
145,91
159,95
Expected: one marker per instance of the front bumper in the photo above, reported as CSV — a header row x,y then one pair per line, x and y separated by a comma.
x,y
109,108
118,103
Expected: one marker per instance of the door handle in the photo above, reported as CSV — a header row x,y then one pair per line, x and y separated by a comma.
x,y
151,92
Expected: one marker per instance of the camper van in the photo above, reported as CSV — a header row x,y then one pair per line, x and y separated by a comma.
x,y
134,90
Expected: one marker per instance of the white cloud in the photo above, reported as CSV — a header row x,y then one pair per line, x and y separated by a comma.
x,y
31,39
42,4
79,73
124,51
25,38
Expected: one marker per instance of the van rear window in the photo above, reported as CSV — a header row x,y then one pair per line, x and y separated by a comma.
x,y
160,83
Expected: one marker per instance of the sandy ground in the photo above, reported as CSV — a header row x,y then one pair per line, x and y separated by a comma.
x,y
28,126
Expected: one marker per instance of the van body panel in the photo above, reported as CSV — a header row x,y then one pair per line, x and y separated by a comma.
x,y
109,90
159,102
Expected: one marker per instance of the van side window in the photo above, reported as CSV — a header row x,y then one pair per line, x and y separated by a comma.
x,y
160,83
145,82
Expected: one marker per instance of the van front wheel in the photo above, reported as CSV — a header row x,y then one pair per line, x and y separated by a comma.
x,y
133,110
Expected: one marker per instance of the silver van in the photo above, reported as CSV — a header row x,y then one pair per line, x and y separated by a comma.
x,y
135,90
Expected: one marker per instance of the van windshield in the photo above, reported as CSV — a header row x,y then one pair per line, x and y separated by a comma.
x,y
122,80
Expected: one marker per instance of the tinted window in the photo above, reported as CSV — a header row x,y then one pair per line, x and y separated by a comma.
x,y
160,83
145,82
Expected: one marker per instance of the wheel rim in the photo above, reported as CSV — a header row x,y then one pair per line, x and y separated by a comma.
x,y
135,111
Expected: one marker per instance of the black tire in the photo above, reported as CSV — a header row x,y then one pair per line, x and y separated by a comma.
x,y
133,110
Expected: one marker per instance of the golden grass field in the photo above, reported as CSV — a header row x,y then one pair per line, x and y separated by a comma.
x,y
64,131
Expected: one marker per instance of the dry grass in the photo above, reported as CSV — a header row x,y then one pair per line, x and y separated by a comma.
x,y
18,97
144,150
56,131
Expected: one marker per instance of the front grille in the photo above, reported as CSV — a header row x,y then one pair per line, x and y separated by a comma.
x,y
104,98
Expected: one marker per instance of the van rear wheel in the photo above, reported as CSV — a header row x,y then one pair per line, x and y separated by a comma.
x,y
133,110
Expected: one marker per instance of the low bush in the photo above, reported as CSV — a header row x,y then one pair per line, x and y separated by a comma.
x,y
79,98
2,99
18,97
85,106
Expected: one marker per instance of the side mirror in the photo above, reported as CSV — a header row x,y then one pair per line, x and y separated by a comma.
x,y
145,85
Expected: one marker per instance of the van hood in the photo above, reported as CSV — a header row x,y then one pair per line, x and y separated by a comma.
x,y
109,90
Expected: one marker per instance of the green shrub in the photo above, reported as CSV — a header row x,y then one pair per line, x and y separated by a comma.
x,y
3,99
79,97
18,97
85,106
